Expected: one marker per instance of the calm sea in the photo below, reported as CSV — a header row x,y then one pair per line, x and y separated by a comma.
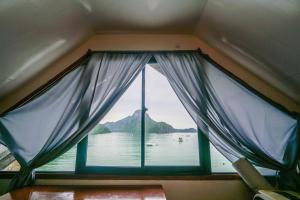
x,y
123,149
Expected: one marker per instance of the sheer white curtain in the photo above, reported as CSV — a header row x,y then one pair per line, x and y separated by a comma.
x,y
237,122
53,122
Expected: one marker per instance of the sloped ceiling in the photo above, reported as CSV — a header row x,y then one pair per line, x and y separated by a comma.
x,y
262,35
34,33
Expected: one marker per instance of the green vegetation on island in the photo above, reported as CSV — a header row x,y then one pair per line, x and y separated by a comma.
x,y
133,124
100,128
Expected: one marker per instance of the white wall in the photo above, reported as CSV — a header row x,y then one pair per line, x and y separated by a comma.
x,y
174,189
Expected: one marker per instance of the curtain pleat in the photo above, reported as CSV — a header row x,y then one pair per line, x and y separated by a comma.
x,y
237,122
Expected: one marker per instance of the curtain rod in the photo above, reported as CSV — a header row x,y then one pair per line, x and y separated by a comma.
x,y
71,67
218,66
86,56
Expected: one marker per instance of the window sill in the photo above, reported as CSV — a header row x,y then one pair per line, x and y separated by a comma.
x,y
72,175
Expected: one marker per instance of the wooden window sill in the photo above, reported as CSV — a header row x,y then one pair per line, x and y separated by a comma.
x,y
72,175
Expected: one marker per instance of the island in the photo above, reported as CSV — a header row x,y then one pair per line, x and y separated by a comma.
x,y
133,124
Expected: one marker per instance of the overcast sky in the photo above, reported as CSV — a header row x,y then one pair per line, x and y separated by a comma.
x,y
161,101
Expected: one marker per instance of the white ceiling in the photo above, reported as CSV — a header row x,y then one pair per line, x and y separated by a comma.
x,y
260,34
145,15
34,33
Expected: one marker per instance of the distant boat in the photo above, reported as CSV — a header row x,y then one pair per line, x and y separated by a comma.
x,y
149,145
180,139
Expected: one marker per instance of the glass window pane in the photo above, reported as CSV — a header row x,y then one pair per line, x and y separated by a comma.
x,y
116,140
7,160
219,164
65,162
171,137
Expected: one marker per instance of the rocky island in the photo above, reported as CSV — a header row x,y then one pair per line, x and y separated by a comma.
x,y
133,124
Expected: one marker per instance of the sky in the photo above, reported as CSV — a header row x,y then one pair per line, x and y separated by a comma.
x,y
161,101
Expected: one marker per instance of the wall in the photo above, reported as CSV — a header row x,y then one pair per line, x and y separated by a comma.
x,y
174,189
177,189
146,42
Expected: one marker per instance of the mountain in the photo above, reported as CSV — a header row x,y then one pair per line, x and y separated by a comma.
x,y
133,124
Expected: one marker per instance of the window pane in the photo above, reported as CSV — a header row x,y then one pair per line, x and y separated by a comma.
x,y
7,160
219,164
65,162
116,140
171,137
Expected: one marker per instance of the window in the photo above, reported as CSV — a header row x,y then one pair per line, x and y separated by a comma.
x,y
147,131
170,134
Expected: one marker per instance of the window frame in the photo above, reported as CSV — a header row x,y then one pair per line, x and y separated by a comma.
x,y
204,167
